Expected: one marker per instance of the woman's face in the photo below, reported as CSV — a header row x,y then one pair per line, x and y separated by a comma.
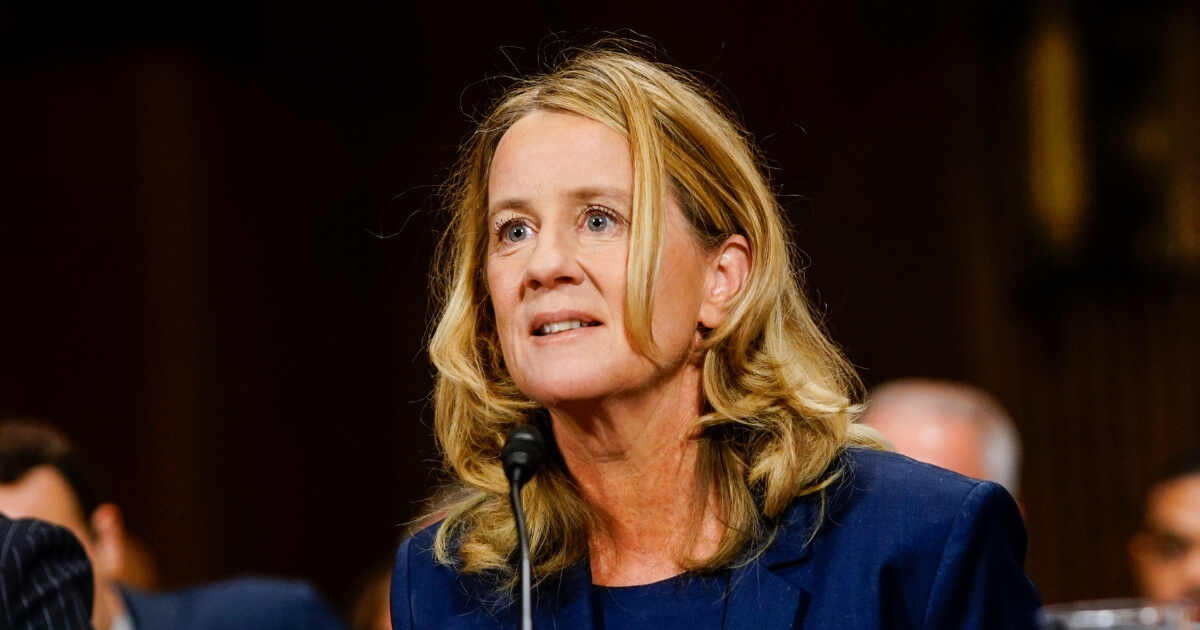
x,y
559,210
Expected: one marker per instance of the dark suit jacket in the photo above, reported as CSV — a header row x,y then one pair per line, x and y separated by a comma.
x,y
45,578
903,545
243,604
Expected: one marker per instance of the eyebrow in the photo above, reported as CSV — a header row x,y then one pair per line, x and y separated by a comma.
x,y
613,193
587,193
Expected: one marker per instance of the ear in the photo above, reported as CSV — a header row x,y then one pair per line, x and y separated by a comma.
x,y
108,527
728,269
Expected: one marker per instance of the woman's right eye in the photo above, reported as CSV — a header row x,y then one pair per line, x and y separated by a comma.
x,y
513,231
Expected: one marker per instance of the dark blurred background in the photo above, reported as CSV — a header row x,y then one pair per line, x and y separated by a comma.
x,y
216,220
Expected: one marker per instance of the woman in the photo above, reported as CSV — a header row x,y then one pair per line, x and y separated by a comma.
x,y
617,270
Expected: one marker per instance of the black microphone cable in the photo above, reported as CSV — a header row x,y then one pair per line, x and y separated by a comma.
x,y
522,455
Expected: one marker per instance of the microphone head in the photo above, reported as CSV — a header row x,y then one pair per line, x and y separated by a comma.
x,y
523,453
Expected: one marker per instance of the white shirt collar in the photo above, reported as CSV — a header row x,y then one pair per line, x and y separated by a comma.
x,y
122,622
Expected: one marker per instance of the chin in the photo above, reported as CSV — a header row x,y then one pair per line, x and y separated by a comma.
x,y
568,386
552,397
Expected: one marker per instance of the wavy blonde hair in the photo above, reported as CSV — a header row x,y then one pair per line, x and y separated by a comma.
x,y
777,393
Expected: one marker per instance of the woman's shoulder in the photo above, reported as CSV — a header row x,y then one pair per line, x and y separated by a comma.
x,y
416,562
919,539
883,479
891,465
902,502
416,574
426,593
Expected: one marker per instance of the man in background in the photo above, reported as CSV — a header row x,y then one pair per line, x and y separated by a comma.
x,y
951,425
41,476
45,578
1166,552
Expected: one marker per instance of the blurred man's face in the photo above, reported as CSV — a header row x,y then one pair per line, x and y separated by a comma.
x,y
1166,554
43,493
945,442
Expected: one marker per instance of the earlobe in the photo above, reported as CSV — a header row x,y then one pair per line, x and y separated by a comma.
x,y
728,270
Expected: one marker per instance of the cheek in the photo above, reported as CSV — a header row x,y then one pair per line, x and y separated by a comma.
x,y
496,286
504,295
680,293
675,321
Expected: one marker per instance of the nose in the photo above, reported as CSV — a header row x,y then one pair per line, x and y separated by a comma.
x,y
553,261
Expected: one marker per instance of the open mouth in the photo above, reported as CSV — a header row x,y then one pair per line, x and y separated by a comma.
x,y
553,328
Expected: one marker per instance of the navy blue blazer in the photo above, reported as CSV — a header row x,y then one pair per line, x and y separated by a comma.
x,y
903,545
45,578
242,604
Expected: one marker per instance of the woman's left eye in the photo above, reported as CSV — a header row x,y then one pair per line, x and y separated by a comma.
x,y
598,221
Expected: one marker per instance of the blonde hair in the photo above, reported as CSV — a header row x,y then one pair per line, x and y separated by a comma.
x,y
777,393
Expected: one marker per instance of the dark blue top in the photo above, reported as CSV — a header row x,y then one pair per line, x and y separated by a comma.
x,y
684,602
902,545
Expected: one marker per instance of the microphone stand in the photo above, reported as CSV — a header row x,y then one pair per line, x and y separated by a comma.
x,y
522,455
526,563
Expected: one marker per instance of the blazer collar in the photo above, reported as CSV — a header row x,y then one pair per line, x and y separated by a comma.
x,y
568,598
758,596
797,525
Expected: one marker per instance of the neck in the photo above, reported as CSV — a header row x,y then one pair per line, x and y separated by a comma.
x,y
635,461
108,605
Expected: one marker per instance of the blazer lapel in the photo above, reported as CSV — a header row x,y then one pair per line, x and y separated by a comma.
x,y
758,597
565,603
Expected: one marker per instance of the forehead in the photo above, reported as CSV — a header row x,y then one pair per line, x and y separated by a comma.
x,y
554,153
939,439
42,493
925,419
1176,505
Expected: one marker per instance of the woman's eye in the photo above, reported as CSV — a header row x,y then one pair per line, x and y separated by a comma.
x,y
512,230
516,232
598,222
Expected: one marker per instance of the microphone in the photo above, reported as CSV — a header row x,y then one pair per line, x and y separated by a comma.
x,y
522,455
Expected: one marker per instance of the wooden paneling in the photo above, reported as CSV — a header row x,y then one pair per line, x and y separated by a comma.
x,y
193,285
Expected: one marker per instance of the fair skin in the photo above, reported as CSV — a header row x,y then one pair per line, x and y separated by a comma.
x,y
560,205
43,493
946,442
1166,554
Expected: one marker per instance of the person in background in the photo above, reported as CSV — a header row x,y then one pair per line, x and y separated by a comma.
x,y
1166,552
370,609
952,425
45,577
139,567
41,476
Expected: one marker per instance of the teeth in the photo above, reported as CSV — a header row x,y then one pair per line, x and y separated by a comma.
x,y
556,327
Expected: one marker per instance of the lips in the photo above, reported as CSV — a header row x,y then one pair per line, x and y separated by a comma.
x,y
557,327
555,323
